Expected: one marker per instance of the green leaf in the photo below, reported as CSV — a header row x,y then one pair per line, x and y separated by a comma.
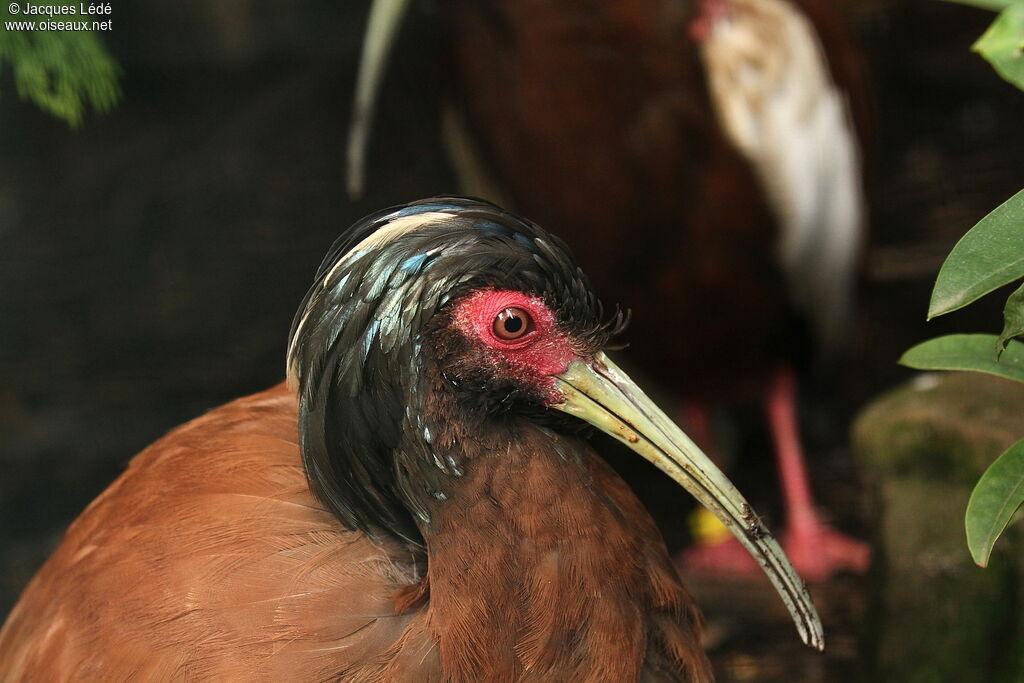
x,y
1013,320
989,256
1003,44
998,494
967,352
62,72
994,5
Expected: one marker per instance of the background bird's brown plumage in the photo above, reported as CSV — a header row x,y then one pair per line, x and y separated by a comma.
x,y
596,117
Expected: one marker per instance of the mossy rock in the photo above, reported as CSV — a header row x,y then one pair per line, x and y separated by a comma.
x,y
941,426
933,615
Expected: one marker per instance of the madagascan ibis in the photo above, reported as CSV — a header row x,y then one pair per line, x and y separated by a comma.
x,y
703,158
417,503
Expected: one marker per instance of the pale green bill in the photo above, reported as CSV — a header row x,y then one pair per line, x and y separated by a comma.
x,y
598,392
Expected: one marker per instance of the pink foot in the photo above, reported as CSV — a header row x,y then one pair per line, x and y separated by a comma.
x,y
726,557
818,552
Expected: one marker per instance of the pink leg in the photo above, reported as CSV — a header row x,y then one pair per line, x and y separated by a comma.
x,y
697,422
816,550
715,551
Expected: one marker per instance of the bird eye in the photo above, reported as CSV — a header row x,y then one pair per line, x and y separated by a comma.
x,y
511,324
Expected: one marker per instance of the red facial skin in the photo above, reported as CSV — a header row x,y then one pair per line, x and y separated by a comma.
x,y
537,356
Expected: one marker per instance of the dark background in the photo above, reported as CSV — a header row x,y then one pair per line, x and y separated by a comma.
x,y
150,263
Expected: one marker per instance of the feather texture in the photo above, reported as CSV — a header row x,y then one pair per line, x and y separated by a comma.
x,y
355,352
209,559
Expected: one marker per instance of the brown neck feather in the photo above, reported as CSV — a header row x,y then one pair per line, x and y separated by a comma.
x,y
544,566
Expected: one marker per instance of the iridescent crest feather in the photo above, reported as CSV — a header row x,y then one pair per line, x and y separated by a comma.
x,y
356,345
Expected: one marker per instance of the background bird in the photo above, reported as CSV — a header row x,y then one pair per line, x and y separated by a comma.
x,y
416,504
704,158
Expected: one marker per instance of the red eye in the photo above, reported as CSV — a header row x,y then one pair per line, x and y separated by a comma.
x,y
512,324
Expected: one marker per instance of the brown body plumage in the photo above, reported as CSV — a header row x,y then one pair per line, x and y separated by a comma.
x,y
209,559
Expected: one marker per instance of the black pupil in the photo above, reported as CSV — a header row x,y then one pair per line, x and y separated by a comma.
x,y
513,324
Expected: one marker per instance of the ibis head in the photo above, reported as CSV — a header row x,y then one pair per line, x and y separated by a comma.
x,y
448,327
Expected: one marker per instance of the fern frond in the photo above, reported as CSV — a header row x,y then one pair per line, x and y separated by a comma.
x,y
63,72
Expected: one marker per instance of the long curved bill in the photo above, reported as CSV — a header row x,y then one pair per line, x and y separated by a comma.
x,y
598,392
381,27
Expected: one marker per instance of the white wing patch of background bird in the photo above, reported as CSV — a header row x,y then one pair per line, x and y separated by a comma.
x,y
773,92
